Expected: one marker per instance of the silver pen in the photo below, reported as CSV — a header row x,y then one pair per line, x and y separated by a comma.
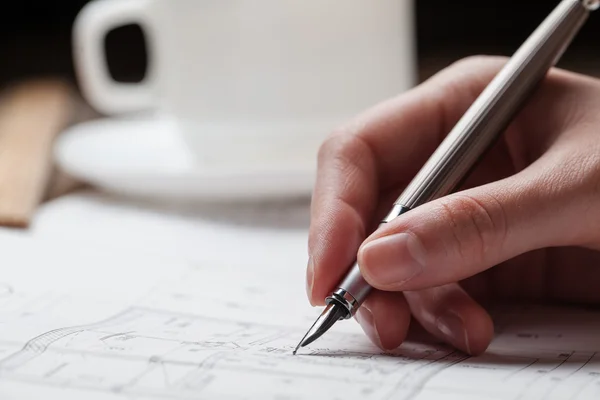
x,y
472,136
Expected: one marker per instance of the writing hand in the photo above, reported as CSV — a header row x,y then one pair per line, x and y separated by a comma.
x,y
525,226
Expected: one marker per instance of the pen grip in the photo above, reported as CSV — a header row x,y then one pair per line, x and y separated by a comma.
x,y
497,105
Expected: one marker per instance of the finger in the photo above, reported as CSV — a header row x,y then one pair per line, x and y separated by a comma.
x,y
451,315
476,229
463,234
385,318
382,149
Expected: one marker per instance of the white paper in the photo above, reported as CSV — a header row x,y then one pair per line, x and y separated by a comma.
x,y
161,324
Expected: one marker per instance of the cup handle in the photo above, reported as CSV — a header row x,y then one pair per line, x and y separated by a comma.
x,y
103,93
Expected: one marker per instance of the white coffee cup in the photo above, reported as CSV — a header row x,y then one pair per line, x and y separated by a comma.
x,y
252,82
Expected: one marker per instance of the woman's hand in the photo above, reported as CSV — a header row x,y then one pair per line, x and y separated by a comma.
x,y
525,227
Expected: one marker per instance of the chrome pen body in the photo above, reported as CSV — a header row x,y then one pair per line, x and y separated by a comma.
x,y
469,140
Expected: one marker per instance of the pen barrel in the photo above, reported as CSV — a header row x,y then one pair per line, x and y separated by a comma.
x,y
497,105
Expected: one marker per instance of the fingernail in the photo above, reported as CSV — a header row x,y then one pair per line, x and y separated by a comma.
x,y
310,277
393,260
367,322
453,327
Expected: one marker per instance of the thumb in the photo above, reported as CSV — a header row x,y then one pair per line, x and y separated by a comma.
x,y
460,235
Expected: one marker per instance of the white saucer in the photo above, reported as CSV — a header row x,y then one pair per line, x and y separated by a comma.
x,y
145,157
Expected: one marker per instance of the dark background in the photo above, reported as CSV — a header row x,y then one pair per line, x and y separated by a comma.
x,y
36,36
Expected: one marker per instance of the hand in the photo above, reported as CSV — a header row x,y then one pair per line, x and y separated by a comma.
x,y
525,226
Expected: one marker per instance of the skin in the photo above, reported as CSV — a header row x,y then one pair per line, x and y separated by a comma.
x,y
525,227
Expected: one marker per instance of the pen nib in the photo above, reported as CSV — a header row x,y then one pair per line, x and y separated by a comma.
x,y
332,313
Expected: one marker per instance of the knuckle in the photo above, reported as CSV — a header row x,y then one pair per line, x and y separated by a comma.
x,y
347,153
328,147
569,180
576,173
587,171
349,165
579,180
343,141
477,225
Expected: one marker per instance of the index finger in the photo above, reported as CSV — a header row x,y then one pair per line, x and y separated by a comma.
x,y
381,150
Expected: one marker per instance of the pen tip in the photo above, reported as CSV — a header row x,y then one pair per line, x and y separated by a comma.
x,y
330,315
297,347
